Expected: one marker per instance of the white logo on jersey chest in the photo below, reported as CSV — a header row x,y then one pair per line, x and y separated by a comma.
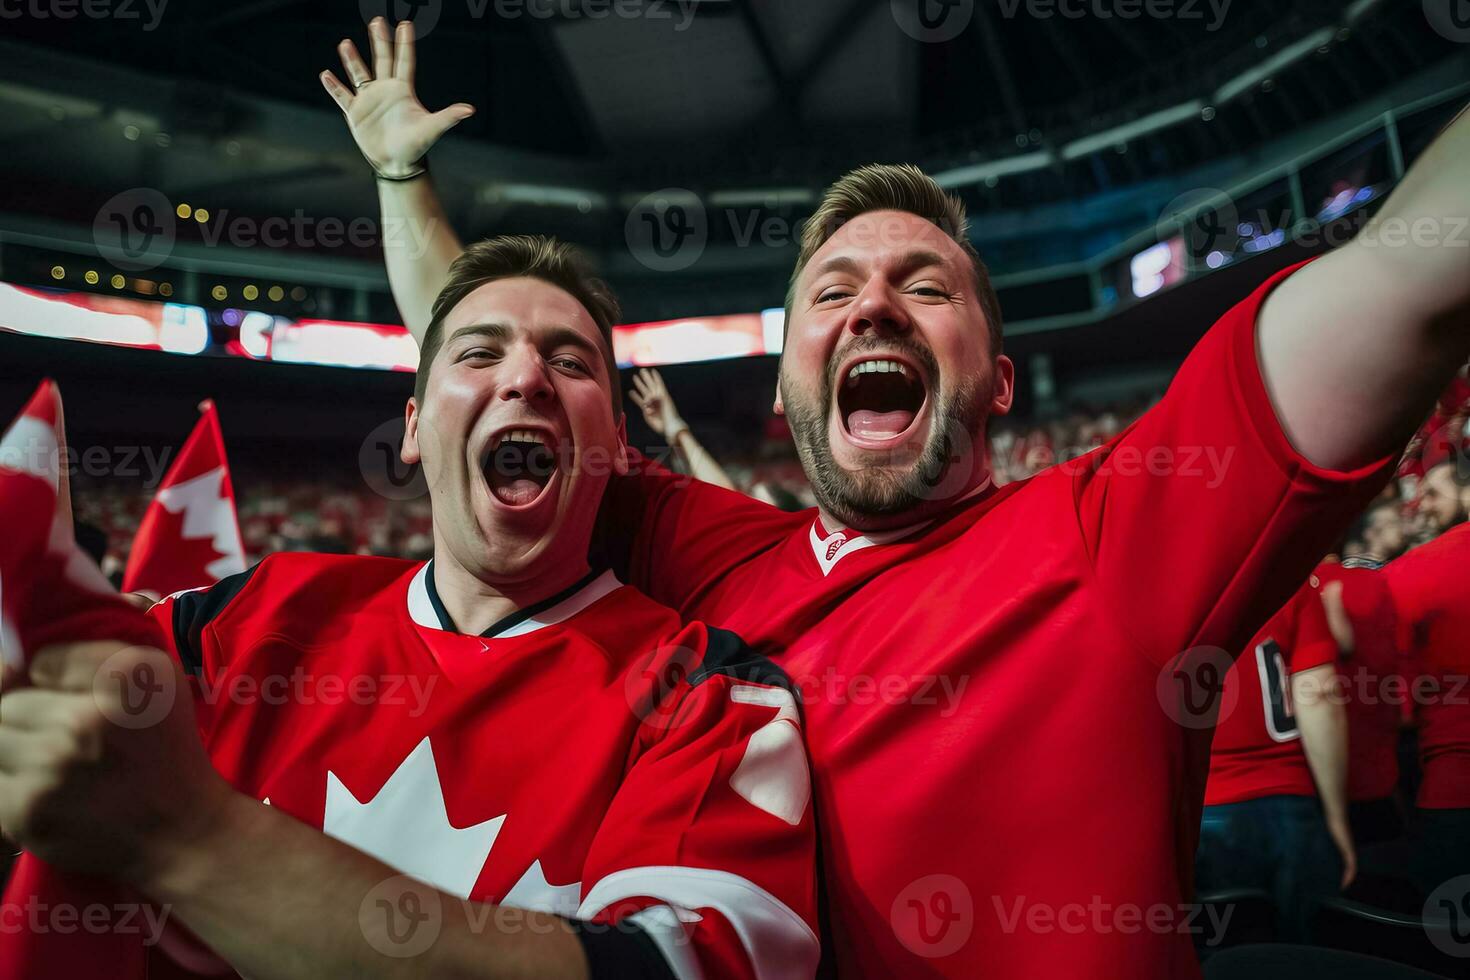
x,y
830,550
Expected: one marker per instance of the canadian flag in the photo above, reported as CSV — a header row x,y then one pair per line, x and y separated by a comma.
x,y
51,592
190,536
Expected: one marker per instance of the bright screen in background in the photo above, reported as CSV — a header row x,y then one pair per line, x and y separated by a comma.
x,y
82,316
708,338
1157,266
344,344
183,329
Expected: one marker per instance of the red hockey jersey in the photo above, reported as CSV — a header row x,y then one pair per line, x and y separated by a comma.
x,y
587,756
1008,777
1257,750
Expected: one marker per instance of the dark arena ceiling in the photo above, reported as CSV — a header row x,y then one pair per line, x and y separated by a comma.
x,y
714,92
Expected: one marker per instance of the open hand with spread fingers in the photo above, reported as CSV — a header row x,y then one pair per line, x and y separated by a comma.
x,y
391,126
652,396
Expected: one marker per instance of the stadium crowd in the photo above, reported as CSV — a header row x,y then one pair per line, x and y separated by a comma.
x,y
1089,600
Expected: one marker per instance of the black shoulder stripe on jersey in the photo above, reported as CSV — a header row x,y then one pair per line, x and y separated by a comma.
x,y
728,654
621,952
195,610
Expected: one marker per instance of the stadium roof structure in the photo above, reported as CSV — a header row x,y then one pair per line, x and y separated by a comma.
x,y
1066,125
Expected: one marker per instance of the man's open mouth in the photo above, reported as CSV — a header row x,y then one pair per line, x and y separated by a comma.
x,y
519,466
879,398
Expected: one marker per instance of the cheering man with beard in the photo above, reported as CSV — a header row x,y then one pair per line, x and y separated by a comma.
x,y
1003,686
504,725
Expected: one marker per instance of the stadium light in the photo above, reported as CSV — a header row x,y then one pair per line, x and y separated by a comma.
x,y
994,169
1273,65
1126,133
757,197
544,196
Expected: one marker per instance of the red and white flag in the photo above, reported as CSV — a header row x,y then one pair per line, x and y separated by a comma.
x,y
190,536
51,592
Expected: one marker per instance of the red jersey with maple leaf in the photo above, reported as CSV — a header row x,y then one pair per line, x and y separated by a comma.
x,y
1257,750
1008,780
1429,589
589,756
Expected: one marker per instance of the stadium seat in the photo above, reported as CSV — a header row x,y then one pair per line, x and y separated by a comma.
x,y
1251,919
1281,962
1345,924
1386,886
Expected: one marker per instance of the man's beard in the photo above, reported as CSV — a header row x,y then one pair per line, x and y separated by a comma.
x,y
910,482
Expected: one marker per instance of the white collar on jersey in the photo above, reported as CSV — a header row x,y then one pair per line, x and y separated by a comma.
x,y
829,549
423,610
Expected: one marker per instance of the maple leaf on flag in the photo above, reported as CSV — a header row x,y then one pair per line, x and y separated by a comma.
x,y
51,592
190,535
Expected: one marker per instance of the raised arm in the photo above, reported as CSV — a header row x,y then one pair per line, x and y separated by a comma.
x,y
652,396
1355,347
395,132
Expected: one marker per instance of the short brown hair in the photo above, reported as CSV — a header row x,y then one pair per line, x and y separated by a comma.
x,y
895,187
512,256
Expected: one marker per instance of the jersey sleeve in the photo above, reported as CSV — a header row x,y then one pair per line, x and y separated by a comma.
x,y
1312,644
1200,519
708,848
673,536
184,616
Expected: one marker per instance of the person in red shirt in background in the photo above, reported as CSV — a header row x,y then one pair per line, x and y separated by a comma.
x,y
1431,589
1383,532
1361,615
1276,816
1442,499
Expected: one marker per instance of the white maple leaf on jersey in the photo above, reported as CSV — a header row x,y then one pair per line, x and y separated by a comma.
x,y
406,825
208,513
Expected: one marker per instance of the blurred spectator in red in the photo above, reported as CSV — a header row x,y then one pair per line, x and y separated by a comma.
x,y
1431,590
1360,612
1443,499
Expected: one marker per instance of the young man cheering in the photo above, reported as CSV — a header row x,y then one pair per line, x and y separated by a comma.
x,y
505,724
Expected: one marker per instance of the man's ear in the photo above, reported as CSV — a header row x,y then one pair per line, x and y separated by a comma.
x,y
778,406
1003,392
410,451
620,455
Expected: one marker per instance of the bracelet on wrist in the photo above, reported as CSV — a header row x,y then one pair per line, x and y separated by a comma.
x,y
417,170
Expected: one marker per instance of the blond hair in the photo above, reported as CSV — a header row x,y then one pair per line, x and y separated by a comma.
x,y
895,187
